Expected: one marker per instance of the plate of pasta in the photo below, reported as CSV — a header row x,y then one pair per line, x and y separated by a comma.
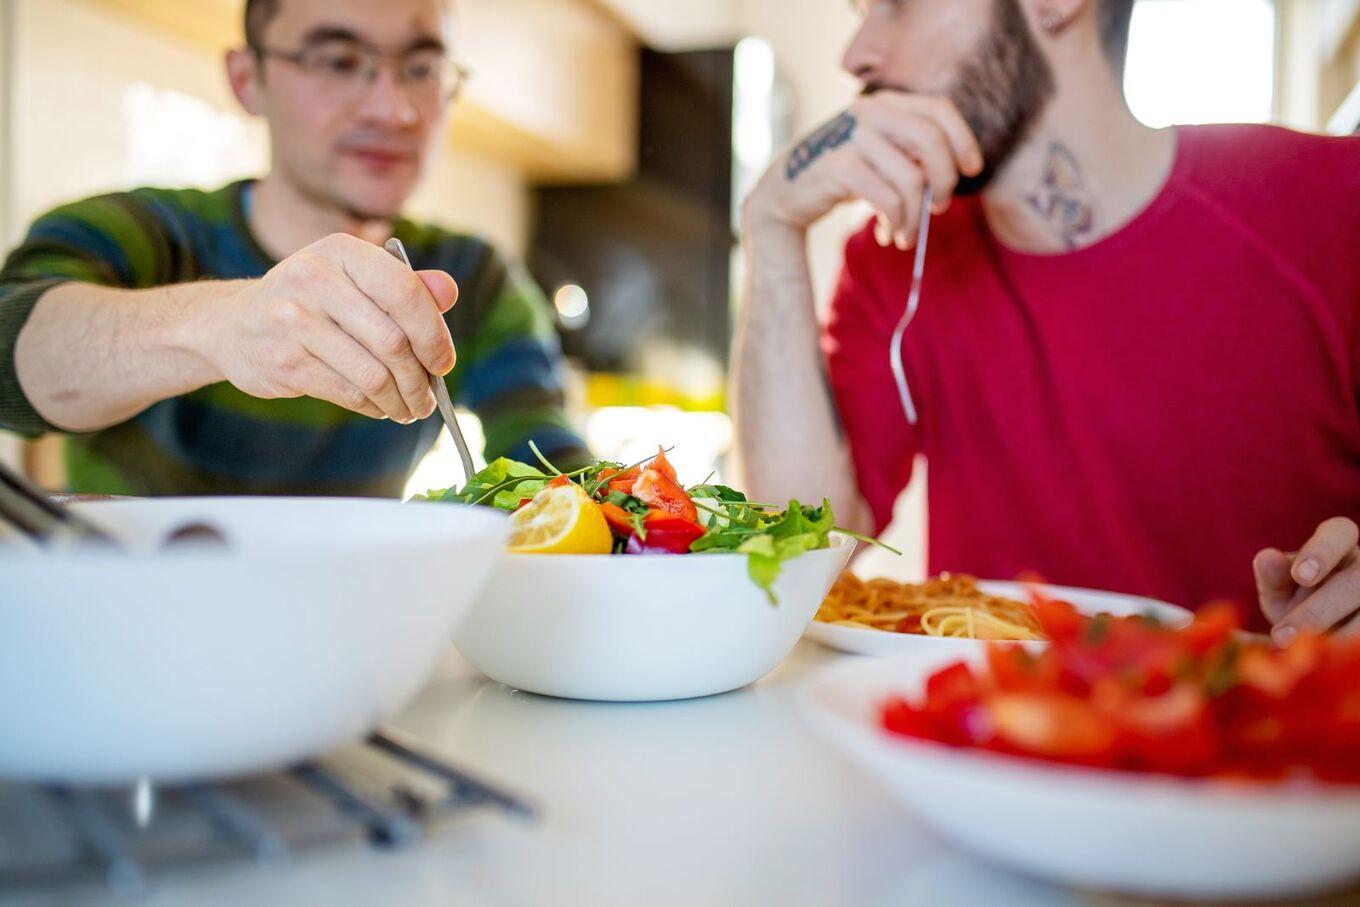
x,y
956,612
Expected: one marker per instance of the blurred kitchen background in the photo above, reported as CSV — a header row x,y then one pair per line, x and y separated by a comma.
x,y
606,142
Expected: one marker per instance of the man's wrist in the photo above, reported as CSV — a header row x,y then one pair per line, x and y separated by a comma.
x,y
195,328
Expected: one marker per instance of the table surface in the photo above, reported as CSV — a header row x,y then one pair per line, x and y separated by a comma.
x,y
725,800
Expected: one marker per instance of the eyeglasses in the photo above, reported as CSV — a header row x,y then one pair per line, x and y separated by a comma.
x,y
344,67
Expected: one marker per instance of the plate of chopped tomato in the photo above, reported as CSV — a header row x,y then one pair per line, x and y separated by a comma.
x,y
1128,756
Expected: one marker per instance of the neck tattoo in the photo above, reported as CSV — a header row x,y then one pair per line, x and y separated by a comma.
x,y
1063,199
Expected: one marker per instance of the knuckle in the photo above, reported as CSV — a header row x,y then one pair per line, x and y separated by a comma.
x,y
373,380
1349,583
392,341
944,105
303,267
354,398
1343,529
290,313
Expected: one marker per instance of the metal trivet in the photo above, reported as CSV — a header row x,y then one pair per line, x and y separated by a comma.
x,y
384,790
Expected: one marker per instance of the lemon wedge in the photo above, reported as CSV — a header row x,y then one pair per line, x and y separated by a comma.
x,y
561,520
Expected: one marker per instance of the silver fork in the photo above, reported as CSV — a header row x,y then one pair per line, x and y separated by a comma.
x,y
913,302
441,390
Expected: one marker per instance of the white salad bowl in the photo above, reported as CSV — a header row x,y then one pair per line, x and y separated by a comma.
x,y
315,622
636,628
1148,835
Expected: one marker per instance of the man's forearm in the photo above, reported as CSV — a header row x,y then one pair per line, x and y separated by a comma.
x,y
90,356
788,440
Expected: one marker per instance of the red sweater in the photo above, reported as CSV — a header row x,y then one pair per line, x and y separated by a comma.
x,y
1141,415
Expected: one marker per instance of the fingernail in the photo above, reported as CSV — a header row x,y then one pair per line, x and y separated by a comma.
x,y
1308,570
900,240
1284,635
882,232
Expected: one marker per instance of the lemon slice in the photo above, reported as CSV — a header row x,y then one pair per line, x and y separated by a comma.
x,y
561,520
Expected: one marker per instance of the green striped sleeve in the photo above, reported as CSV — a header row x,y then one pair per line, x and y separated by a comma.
x,y
111,240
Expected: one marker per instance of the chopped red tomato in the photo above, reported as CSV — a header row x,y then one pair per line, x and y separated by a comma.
x,y
1127,693
1055,726
619,520
614,480
657,487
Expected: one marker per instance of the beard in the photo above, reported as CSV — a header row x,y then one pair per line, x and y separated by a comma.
x,y
1001,89
1002,86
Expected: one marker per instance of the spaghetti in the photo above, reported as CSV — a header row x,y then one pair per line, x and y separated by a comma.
x,y
948,606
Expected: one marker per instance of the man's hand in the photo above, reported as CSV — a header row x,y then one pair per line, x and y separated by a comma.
x,y
341,320
885,149
1316,588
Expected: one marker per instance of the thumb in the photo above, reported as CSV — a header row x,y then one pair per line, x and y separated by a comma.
x,y
1275,584
442,287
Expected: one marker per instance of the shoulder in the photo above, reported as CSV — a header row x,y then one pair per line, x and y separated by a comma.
x,y
1221,152
1295,195
1272,170
143,208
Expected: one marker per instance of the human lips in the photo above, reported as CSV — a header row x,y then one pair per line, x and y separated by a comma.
x,y
379,156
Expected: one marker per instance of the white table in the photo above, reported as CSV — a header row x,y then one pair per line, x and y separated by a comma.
x,y
726,800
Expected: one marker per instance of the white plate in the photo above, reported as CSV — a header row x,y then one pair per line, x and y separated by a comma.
x,y
1138,834
321,619
640,628
864,641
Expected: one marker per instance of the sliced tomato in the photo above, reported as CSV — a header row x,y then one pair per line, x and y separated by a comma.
x,y
900,717
1055,726
619,520
955,709
614,480
1061,622
1213,625
662,465
909,624
658,488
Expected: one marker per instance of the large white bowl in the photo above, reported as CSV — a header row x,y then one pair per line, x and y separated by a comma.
x,y
1137,834
319,620
640,628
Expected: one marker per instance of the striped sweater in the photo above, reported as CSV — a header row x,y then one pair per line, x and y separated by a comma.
x,y
219,440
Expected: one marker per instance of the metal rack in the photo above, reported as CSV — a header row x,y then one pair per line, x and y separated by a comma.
x,y
385,791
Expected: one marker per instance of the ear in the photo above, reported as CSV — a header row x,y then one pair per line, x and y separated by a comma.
x,y
244,76
1052,17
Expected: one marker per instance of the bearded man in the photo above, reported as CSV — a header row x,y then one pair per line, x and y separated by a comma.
x,y
1135,360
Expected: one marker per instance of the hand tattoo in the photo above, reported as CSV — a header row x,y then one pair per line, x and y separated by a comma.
x,y
828,138
1063,200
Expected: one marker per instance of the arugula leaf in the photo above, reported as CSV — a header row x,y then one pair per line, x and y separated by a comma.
x,y
503,484
635,508
768,539
717,493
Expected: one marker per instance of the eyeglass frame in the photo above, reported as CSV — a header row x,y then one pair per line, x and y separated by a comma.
x,y
374,59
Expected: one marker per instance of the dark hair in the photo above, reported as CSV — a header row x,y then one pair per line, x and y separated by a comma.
x,y
258,15
1115,16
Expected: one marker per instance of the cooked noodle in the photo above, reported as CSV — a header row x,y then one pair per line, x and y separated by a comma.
x,y
949,605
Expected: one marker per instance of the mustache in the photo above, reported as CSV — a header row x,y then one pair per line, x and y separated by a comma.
x,y
869,89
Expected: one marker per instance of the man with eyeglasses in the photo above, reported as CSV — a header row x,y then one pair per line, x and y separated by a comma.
x,y
1136,359
257,339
